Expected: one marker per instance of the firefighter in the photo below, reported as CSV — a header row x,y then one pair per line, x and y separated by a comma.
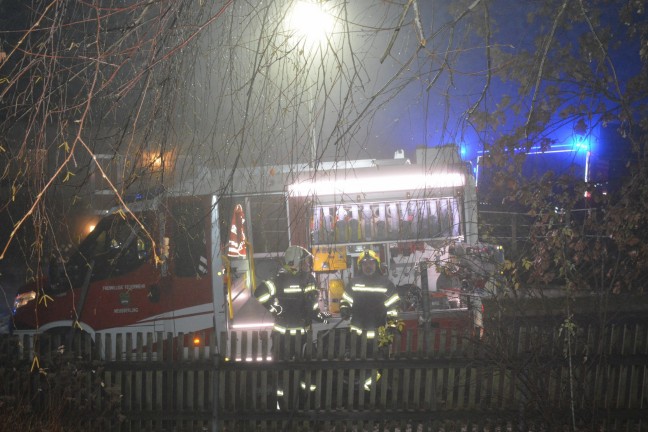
x,y
293,299
292,296
370,302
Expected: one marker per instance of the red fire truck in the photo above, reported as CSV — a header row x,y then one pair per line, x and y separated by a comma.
x,y
187,264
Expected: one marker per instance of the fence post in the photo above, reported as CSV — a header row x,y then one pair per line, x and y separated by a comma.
x,y
425,297
215,387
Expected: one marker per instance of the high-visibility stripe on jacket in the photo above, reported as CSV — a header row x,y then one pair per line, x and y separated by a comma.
x,y
369,300
292,299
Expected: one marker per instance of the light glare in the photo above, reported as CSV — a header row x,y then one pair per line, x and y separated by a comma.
x,y
252,325
378,184
310,22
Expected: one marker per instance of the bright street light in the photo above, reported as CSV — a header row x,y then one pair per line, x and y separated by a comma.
x,y
310,22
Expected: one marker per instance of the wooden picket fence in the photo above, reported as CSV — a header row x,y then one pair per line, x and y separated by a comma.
x,y
515,378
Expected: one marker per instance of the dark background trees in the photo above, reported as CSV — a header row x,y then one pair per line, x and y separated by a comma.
x,y
587,70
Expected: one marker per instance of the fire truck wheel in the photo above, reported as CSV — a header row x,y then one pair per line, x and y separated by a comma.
x,y
60,344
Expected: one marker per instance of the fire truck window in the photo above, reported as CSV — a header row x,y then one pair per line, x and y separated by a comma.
x,y
188,242
116,246
132,254
121,248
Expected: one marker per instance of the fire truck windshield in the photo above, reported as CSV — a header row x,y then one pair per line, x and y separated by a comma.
x,y
116,246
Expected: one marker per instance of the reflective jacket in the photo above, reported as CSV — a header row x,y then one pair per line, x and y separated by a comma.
x,y
369,301
292,299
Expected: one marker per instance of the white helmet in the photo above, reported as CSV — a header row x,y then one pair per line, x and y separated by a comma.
x,y
294,256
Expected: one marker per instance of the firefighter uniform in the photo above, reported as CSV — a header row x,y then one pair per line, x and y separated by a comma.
x,y
293,300
370,299
292,297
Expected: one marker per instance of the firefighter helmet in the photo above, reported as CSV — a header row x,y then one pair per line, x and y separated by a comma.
x,y
369,255
295,255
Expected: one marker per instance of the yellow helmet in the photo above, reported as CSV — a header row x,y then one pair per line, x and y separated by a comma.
x,y
368,255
